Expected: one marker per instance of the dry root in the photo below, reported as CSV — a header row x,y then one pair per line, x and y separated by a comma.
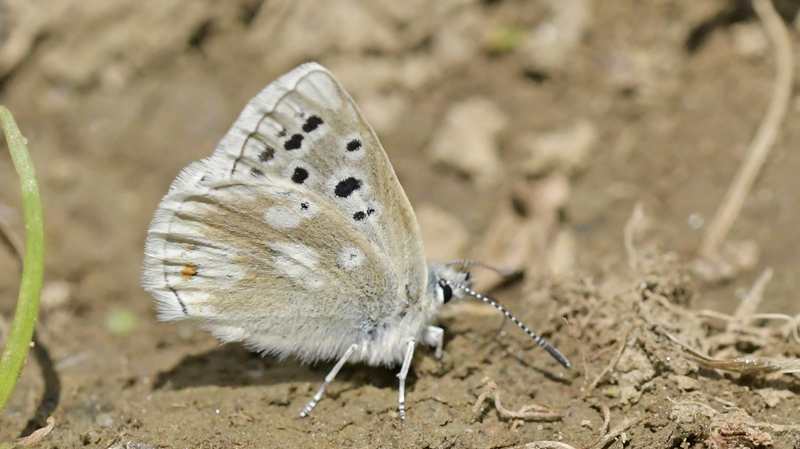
x,y
601,441
36,437
759,148
531,412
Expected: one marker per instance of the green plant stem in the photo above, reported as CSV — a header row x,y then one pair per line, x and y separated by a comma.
x,y
33,267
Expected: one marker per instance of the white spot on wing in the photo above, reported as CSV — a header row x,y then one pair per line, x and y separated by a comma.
x,y
350,257
286,217
305,208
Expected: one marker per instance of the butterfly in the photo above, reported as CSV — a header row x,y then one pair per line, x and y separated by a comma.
x,y
296,238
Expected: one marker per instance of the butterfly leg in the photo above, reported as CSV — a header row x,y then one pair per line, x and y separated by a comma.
x,y
328,379
434,336
403,374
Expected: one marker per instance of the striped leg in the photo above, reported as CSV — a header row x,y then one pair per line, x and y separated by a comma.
x,y
403,374
328,379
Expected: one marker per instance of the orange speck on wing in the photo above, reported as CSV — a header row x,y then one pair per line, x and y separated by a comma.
x,y
188,271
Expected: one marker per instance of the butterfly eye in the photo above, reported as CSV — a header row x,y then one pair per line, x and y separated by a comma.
x,y
447,291
467,276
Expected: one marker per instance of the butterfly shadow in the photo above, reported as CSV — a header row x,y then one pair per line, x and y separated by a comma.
x,y
233,365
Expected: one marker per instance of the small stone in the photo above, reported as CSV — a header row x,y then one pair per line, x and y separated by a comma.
x,y
550,47
734,257
418,71
628,394
749,39
564,150
561,257
634,367
453,48
352,27
54,294
91,437
467,140
685,383
104,420
543,198
773,397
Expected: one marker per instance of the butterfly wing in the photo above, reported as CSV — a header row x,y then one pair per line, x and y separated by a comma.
x,y
294,232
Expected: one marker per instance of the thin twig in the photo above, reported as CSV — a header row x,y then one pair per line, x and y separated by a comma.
x,y
544,445
536,412
793,327
626,424
756,316
743,365
778,428
601,441
603,430
748,307
36,437
612,364
767,132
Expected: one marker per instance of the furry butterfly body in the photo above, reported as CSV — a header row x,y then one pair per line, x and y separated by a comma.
x,y
296,237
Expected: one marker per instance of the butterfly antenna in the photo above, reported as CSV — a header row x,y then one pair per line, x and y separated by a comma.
x,y
467,262
539,340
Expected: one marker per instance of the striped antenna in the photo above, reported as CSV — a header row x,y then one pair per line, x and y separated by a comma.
x,y
560,358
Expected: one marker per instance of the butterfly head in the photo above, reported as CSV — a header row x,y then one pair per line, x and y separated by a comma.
x,y
443,276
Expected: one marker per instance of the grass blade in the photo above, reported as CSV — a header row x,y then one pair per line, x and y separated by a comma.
x,y
33,268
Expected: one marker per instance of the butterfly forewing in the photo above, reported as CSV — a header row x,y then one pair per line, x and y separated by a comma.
x,y
298,213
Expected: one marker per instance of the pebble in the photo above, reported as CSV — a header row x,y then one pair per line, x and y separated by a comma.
x,y
749,40
550,46
564,150
467,140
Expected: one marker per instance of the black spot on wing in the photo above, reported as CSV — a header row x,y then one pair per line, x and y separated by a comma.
x,y
360,215
312,123
294,142
353,145
346,187
300,175
256,172
267,154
